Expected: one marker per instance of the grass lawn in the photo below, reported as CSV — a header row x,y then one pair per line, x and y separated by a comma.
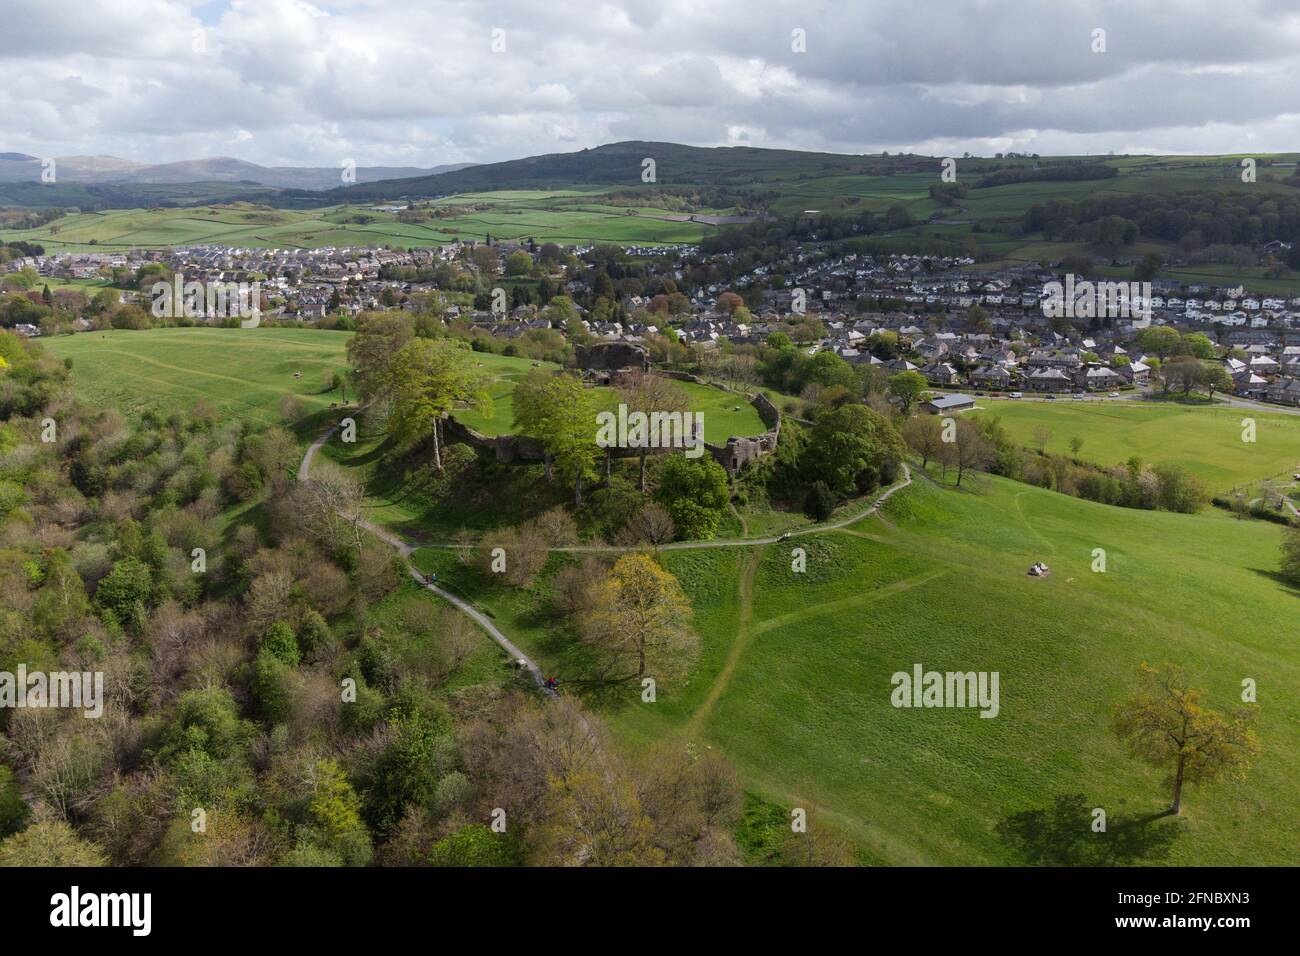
x,y
792,681
1204,439
243,373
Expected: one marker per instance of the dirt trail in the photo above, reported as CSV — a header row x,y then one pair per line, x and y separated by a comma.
x,y
744,633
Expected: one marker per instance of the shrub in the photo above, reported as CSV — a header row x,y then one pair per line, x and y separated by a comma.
x,y
820,502
313,633
279,641
475,845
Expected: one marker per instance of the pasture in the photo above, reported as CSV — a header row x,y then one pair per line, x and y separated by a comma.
x,y
566,216
987,220
1205,439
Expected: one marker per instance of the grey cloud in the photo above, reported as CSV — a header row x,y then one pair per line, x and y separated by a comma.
x,y
416,82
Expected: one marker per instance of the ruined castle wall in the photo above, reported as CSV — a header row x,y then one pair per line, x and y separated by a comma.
x,y
732,456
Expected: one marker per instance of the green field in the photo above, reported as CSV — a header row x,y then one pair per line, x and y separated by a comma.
x,y
1207,440
793,680
726,414
245,372
242,373
564,216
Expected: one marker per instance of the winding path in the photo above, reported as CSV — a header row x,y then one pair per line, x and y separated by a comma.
x,y
406,547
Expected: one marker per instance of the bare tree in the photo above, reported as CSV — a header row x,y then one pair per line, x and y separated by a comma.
x,y
924,435
518,554
651,525
647,392
333,501
971,450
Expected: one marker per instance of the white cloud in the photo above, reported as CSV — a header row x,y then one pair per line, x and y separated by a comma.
x,y
416,81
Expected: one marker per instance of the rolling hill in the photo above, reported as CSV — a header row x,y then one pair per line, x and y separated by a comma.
x,y
1002,211
21,168
793,678
242,376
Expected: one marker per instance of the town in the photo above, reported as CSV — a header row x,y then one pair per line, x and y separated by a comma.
x,y
959,326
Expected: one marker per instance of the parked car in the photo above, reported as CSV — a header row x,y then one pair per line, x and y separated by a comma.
x,y
1114,394
1051,398
1078,394
1017,394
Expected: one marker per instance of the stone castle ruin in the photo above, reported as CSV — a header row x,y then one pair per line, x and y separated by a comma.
x,y
601,364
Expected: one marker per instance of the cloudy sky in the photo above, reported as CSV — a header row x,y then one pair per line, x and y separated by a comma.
x,y
423,82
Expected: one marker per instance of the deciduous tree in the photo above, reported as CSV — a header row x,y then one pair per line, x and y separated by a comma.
x,y
640,621
426,380
1166,725
907,387
560,412
648,393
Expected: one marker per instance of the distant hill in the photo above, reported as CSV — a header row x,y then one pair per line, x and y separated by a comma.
x,y
92,197
621,164
103,170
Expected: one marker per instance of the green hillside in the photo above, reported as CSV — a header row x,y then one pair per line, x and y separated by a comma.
x,y
793,678
793,682
598,195
242,373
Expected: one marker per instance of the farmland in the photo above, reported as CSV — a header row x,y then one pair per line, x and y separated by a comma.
x,y
569,217
792,682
